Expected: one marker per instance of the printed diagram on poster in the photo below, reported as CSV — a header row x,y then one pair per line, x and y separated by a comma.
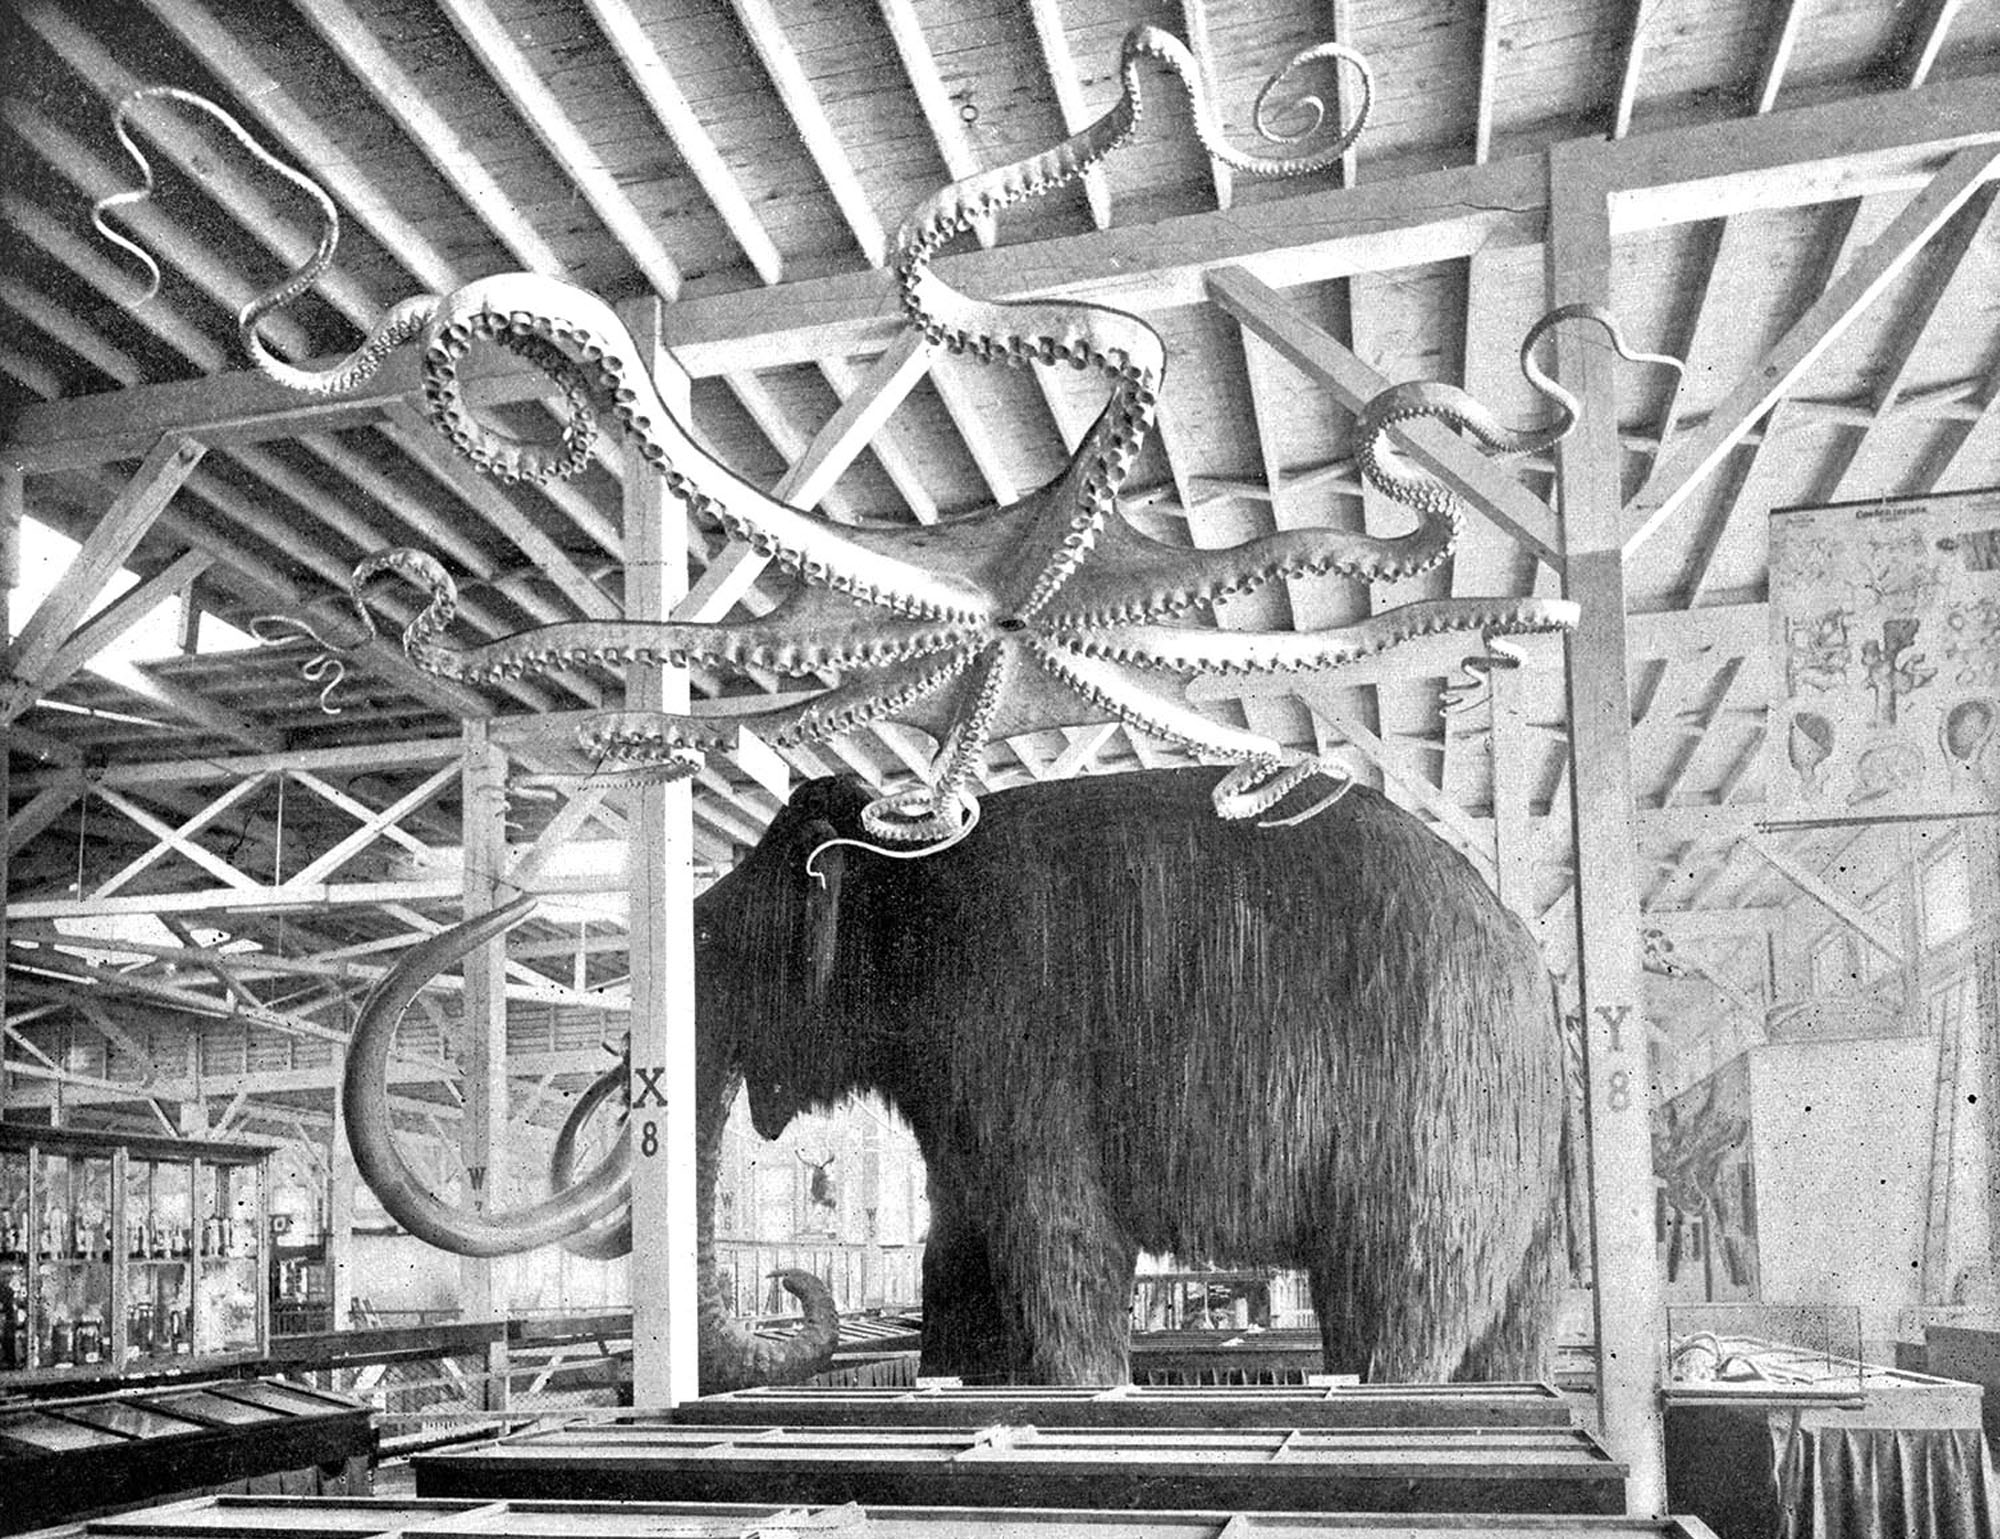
x,y
1885,619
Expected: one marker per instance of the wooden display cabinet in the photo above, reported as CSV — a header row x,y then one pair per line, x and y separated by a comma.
x,y
128,1254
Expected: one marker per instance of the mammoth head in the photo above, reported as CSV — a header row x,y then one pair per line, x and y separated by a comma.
x,y
777,974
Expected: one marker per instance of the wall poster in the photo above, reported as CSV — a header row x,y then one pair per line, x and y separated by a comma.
x,y
1885,621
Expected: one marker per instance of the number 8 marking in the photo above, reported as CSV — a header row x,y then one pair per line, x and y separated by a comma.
x,y
649,1139
1621,1090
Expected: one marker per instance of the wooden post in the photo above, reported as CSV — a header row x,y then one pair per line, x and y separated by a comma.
x,y
1982,863
1629,1294
341,1176
483,1028
12,497
661,937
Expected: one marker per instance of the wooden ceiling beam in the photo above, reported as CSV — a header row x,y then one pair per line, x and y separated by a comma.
x,y
795,90
111,541
1780,43
579,161
1486,90
1340,28
1491,489
1632,66
1705,171
122,367
209,39
1927,35
906,31
1923,312
1194,20
900,466
405,427
966,416
1053,40
676,115
119,616
1683,468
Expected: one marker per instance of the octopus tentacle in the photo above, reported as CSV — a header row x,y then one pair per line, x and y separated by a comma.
x,y
1464,413
581,329
1143,579
782,642
1118,344
403,322
1185,650
646,737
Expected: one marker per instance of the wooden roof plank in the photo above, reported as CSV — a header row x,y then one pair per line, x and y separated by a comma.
x,y
1487,487
906,31
110,543
120,615
1781,42
539,107
795,89
1810,155
670,105
1795,353
1194,18
1060,63
1927,308
208,38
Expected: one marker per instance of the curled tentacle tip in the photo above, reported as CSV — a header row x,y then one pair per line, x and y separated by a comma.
x,y
1313,106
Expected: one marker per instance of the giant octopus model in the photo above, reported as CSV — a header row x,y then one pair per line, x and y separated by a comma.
x,y
1378,1100
1047,611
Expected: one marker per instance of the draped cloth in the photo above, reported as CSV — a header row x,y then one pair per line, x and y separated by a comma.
x,y
1884,1483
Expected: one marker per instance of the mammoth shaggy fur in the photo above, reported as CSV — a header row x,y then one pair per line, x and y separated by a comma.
x,y
1118,1024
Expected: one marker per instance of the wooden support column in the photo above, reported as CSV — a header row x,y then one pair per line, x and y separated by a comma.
x,y
12,496
661,937
1513,845
482,1131
1628,1290
340,1180
1982,855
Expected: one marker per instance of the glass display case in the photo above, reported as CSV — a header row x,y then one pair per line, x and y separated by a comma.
x,y
128,1254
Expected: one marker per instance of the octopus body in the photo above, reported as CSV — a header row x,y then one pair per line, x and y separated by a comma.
x,y
1048,611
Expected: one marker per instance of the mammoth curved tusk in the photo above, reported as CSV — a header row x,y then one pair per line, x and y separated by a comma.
x,y
611,1240
365,1103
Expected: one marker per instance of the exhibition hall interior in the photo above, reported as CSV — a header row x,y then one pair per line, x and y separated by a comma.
x,y
980,767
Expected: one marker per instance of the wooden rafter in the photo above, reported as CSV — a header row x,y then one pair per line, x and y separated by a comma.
x,y
582,166
906,31
104,552
795,89
1053,40
1683,174
670,105
1491,490
1683,468
1946,279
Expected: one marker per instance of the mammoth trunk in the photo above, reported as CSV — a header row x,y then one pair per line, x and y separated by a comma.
x,y
732,1355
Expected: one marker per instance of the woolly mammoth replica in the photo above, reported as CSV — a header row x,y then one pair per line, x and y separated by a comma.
x,y
1118,1024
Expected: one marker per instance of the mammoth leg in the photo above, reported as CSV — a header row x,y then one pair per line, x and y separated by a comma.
x,y
1061,1257
964,1335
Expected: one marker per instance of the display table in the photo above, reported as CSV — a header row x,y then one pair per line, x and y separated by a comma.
x,y
1400,1469
64,1459
389,1518
1131,1405
1893,1453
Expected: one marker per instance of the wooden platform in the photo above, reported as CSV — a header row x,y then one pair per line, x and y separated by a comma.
x,y
269,1518
1129,1405
1434,1469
